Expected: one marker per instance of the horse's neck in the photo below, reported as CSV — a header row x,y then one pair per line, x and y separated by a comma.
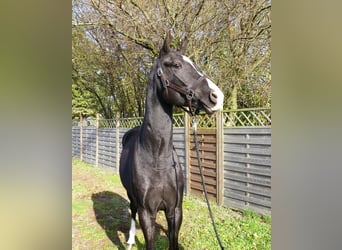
x,y
156,130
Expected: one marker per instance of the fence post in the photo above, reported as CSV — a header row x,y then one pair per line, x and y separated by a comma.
x,y
81,137
117,142
187,153
219,156
97,141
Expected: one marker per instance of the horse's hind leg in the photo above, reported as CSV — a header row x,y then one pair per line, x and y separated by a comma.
x,y
132,230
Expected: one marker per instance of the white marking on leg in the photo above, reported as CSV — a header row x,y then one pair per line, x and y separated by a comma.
x,y
131,239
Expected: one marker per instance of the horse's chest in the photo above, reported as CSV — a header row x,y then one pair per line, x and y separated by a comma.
x,y
157,176
156,182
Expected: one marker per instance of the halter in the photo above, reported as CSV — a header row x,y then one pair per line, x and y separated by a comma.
x,y
187,92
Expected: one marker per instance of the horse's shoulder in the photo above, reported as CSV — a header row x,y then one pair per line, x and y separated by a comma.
x,y
129,134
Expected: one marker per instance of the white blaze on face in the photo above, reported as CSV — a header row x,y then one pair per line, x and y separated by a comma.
x,y
212,86
188,60
219,96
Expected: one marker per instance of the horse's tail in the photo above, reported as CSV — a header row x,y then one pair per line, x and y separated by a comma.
x,y
129,135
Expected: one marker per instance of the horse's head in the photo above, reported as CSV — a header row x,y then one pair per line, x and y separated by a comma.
x,y
182,83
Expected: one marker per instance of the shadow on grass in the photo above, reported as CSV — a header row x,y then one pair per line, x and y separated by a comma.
x,y
112,214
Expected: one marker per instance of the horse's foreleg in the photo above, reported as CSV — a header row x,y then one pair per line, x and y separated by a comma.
x,y
171,232
174,222
147,223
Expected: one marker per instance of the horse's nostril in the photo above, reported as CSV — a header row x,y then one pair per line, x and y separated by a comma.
x,y
213,97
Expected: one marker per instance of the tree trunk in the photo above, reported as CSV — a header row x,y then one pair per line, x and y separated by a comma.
x,y
232,100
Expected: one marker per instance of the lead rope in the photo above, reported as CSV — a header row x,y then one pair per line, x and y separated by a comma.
x,y
194,122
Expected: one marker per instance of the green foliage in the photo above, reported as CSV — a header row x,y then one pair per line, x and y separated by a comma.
x,y
104,223
83,103
115,43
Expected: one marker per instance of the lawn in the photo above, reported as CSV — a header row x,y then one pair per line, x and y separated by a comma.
x,y
100,218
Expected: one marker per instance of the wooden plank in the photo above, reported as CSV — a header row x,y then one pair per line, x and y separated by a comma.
x,y
227,155
196,180
263,182
210,131
209,181
107,154
204,158
249,160
206,172
249,189
260,151
211,147
205,164
111,143
106,134
244,165
107,131
219,157
198,186
232,195
203,140
107,144
250,170
236,204
200,193
248,130
259,141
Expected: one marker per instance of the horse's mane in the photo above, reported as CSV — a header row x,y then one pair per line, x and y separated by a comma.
x,y
129,134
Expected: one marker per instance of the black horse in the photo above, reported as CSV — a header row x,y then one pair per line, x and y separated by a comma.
x,y
149,166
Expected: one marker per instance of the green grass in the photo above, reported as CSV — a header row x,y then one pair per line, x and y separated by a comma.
x,y
101,218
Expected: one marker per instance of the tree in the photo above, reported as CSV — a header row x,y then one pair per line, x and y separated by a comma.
x,y
83,104
115,43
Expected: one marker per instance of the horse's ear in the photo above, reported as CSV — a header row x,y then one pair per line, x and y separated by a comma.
x,y
166,46
183,45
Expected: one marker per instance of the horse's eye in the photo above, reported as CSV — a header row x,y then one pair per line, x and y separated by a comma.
x,y
177,65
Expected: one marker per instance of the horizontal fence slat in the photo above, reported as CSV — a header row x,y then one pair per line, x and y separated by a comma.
x,y
249,160
206,172
249,189
206,164
262,202
204,157
198,186
264,141
248,130
244,150
251,170
264,182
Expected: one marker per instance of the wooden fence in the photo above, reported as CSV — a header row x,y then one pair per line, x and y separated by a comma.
x,y
235,147
247,168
